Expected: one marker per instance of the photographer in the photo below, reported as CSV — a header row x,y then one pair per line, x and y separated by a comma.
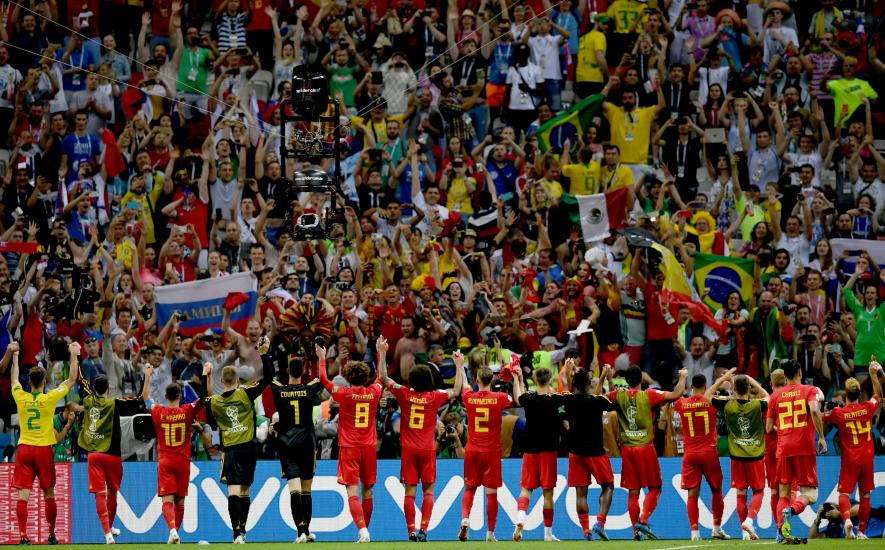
x,y
66,425
387,423
809,353
451,436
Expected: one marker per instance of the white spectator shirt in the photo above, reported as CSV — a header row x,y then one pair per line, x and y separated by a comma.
x,y
545,54
876,189
10,78
799,248
529,75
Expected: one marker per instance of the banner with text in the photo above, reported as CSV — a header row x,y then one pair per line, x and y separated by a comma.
x,y
202,302
139,514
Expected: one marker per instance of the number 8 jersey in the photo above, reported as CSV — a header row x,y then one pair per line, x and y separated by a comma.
x,y
790,407
358,407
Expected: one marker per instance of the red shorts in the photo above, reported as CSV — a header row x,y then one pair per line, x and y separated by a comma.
x,y
580,468
482,468
748,473
771,468
34,461
797,470
173,475
357,465
538,470
701,464
640,467
856,473
417,466
105,472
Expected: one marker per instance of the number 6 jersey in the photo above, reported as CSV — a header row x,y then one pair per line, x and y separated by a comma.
x,y
418,420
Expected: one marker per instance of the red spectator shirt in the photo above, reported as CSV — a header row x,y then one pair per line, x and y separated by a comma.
x,y
174,427
356,417
790,408
417,426
657,326
698,423
197,213
484,410
855,423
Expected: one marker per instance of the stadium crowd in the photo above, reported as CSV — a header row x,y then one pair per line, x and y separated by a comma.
x,y
142,151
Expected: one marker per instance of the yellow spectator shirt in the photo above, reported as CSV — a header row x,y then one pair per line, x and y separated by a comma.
x,y
588,66
631,131
583,178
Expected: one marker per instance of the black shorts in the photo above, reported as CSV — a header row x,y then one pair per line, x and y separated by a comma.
x,y
238,465
298,461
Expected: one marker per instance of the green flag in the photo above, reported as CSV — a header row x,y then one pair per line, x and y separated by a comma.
x,y
578,116
719,276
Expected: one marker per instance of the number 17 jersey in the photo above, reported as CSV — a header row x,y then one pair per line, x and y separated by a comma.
x,y
356,417
790,407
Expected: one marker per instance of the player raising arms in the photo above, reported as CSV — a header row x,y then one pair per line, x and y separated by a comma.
x,y
357,437
587,456
700,458
745,420
795,414
296,442
855,421
482,458
100,437
173,424
34,458
541,441
233,412
640,467
419,405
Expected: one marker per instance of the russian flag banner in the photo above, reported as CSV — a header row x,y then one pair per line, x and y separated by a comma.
x,y
203,302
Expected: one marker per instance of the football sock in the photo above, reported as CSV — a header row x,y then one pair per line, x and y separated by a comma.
x,y
467,501
409,512
426,510
169,514
863,514
693,512
179,515
584,520
101,506
51,513
233,510
245,503
633,507
718,506
798,505
845,506
492,510
295,505
306,511
742,507
548,517
522,507
650,503
755,504
356,512
774,499
112,507
368,506
600,519
21,512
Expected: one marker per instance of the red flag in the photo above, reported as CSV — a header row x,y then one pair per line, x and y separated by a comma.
x,y
19,247
113,159
234,299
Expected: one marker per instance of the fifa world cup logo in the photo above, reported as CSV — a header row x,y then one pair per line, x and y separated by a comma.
x,y
744,426
232,415
631,417
94,415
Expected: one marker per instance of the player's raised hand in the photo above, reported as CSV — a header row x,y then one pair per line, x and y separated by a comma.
x,y
320,351
74,349
607,371
207,368
729,374
14,348
382,346
458,358
683,373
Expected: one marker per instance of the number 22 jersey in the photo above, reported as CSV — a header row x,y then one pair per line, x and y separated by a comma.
x,y
790,407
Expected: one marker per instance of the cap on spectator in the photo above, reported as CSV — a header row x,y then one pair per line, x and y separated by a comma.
x,y
602,18
551,341
735,18
779,6
469,233
400,54
464,342
382,42
380,104
467,13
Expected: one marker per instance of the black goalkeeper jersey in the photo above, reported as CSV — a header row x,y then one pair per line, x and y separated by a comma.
x,y
295,403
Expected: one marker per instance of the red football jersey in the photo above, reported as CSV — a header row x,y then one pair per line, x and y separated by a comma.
x,y
484,410
417,425
698,423
855,422
356,417
174,428
770,437
790,407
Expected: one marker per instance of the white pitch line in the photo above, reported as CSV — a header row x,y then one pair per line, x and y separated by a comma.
x,y
710,541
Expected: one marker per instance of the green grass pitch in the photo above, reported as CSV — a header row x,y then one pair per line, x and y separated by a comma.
x,y
818,544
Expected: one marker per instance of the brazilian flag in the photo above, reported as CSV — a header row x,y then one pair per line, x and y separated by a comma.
x,y
720,275
578,116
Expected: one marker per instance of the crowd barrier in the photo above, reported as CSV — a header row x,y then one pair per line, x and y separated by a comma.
x,y
140,519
